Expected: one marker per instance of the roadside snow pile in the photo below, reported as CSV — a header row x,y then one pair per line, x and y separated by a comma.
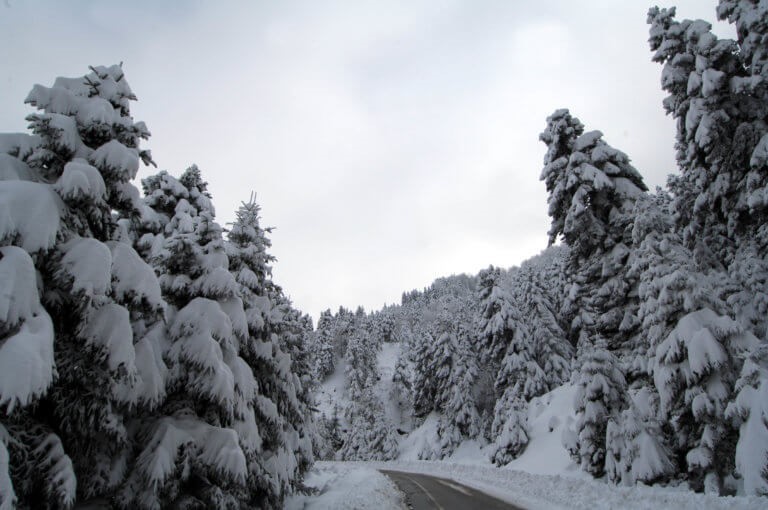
x,y
349,485
550,492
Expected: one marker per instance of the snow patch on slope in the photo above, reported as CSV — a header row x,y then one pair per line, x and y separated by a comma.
x,y
332,392
386,363
548,416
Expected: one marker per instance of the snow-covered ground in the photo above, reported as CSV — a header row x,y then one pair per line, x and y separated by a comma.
x,y
347,485
359,485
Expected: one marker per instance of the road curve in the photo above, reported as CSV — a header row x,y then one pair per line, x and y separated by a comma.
x,y
425,492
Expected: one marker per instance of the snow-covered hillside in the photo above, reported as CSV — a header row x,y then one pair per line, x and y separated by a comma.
x,y
543,476
332,391
548,415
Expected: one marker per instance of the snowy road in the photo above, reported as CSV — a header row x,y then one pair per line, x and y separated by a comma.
x,y
425,492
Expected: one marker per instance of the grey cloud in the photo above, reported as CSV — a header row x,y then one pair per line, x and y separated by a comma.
x,y
389,142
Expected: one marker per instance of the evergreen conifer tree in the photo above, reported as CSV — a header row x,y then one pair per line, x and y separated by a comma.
x,y
510,427
717,96
424,376
537,284
499,320
210,388
370,435
323,354
593,189
280,415
103,300
749,412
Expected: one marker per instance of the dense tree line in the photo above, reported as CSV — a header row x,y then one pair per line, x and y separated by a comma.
x,y
147,358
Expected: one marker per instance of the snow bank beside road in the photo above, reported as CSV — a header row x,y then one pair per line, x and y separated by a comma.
x,y
358,485
347,485
552,492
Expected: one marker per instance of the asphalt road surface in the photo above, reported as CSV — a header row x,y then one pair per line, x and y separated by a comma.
x,y
424,492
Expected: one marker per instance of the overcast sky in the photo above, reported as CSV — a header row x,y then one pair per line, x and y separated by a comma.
x,y
389,142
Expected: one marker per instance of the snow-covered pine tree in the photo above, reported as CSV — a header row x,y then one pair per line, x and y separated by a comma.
x,y
162,193
637,444
323,348
519,369
460,417
207,419
498,320
34,468
281,416
536,360
445,372
510,427
656,248
424,375
674,290
103,300
193,269
361,371
402,386
343,328
680,309
542,346
695,373
593,189
589,181
370,434
600,397
538,286
410,313
89,118
520,379
747,292
384,325
638,440
27,335
749,412
497,323
99,431
293,329
718,97
330,438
